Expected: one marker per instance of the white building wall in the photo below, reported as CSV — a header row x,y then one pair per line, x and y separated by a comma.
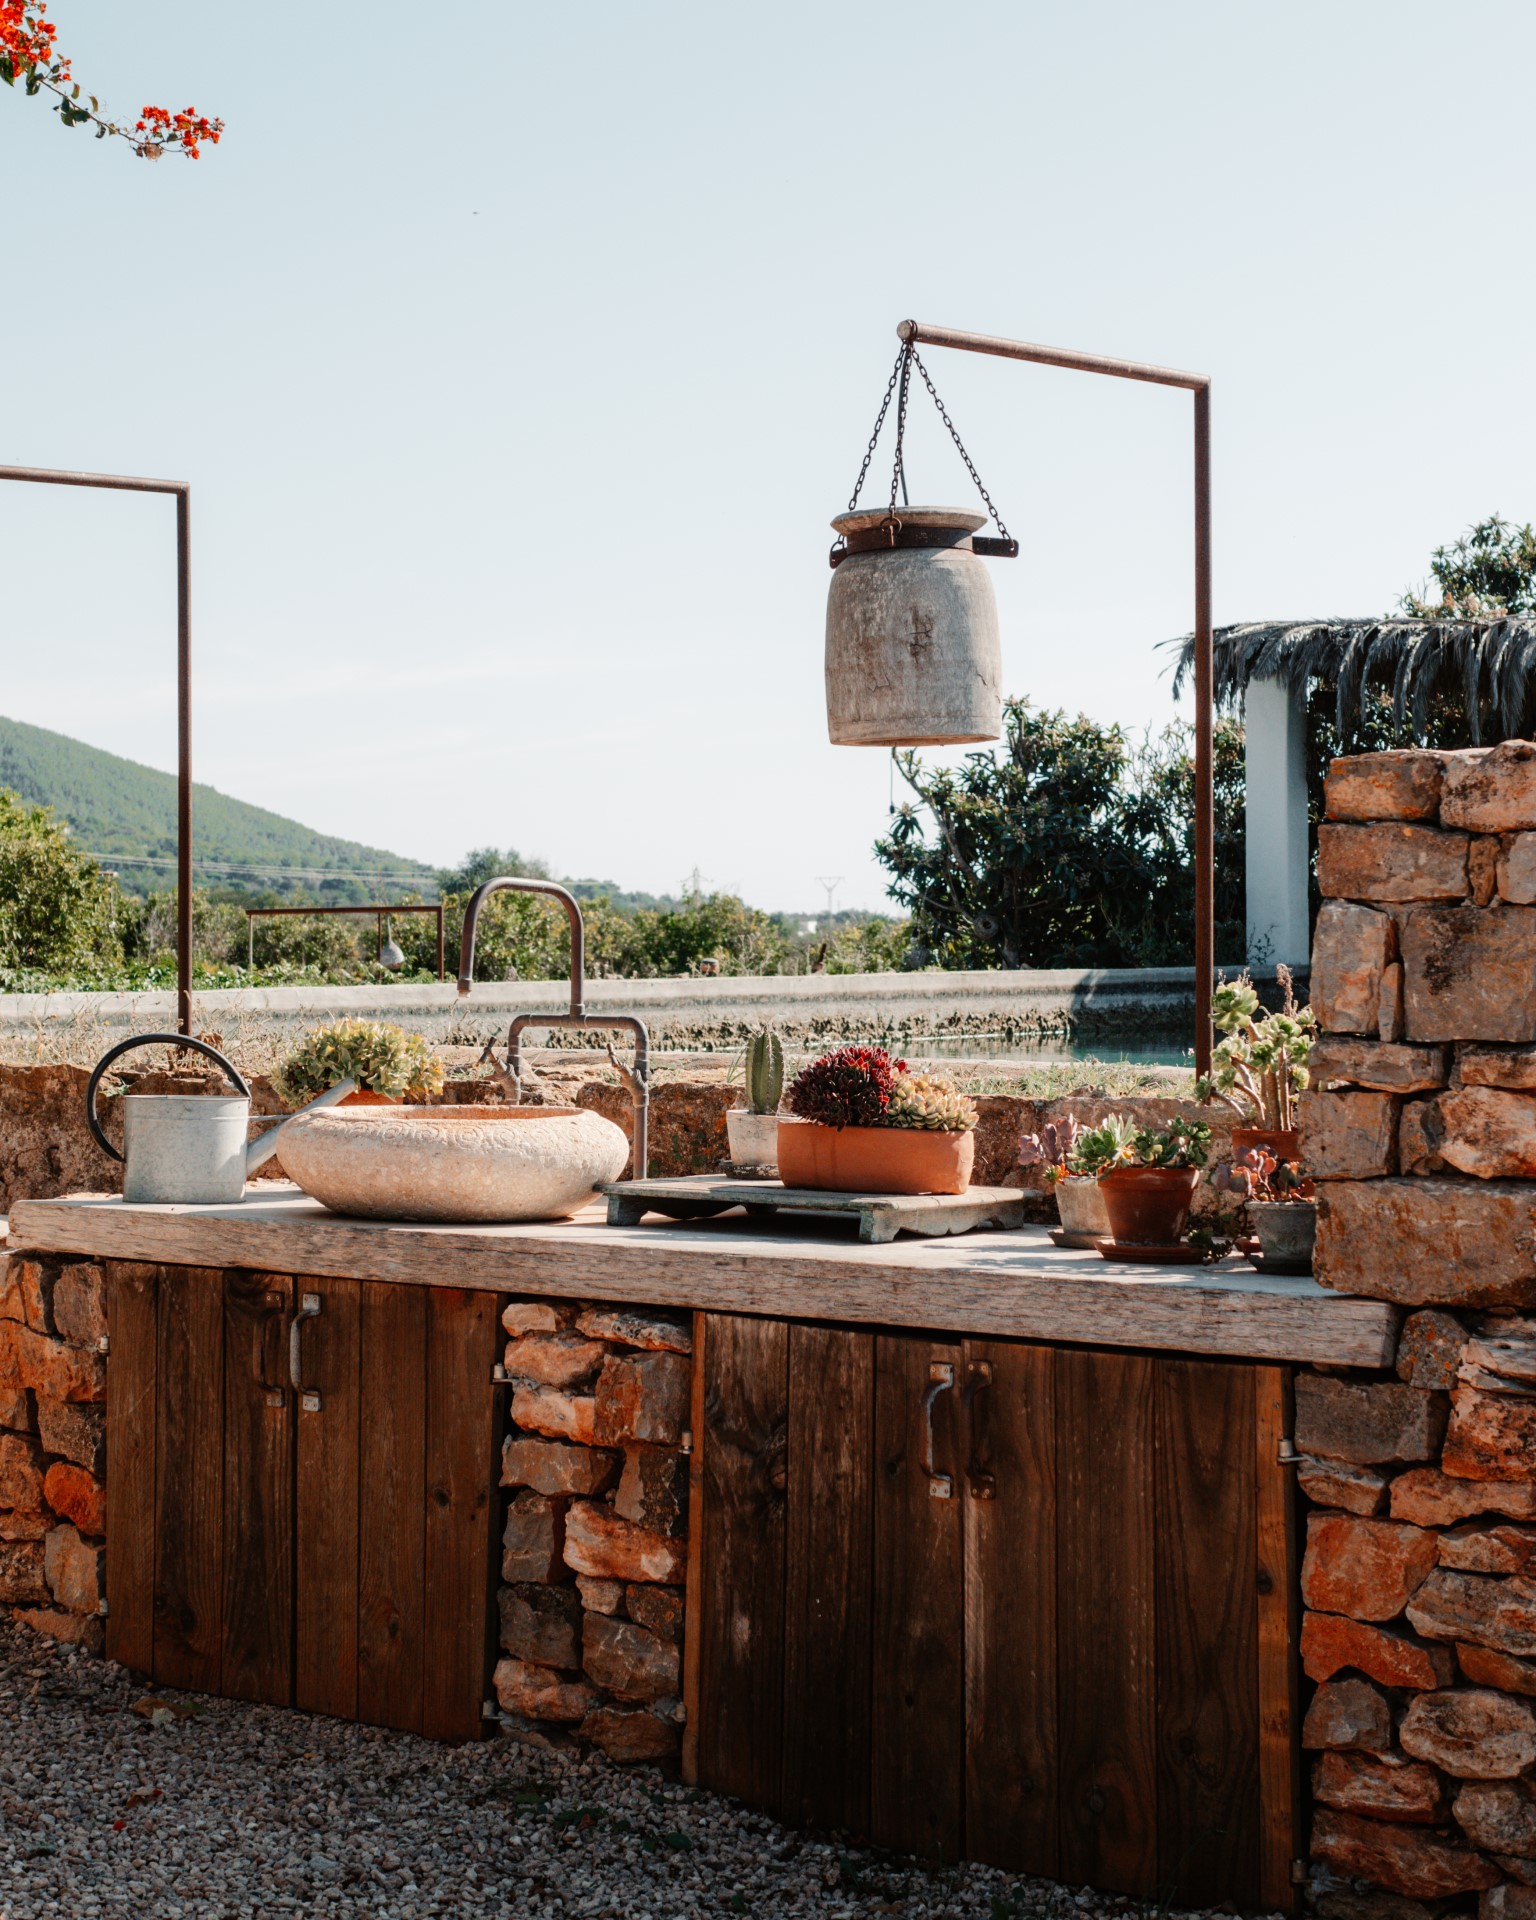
x,y
1275,777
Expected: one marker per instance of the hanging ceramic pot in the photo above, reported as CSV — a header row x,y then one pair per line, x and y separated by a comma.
x,y
913,657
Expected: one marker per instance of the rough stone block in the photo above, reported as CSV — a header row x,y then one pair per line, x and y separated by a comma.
x,y
1430,1498
1429,1241
538,1316
1491,791
1350,946
1335,1483
48,1366
1516,868
1418,1138
639,1327
1483,868
34,1282
643,1396
26,1525
542,1624
1330,1644
1492,1436
540,1693
1487,1667
554,1466
1333,1899
21,1471
74,1432
1512,1067
1500,1546
600,1542
1339,1057
1426,1863
1381,1786
1367,1422
534,1540
629,1661
1392,861
1500,1816
74,1568
74,1629
23,1580
1429,1349
630,1733
1488,1132
560,1416
1348,1714
1522,1871
1472,1607
18,1413
80,1304
659,1608
1349,1136
553,1359
1364,1568
1402,783
1467,973
600,1596
1471,1733
1502,1361
1507,1902
78,1496
10,1288
1389,1008
653,1490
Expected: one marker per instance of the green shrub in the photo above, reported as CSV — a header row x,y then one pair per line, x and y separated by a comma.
x,y
379,1056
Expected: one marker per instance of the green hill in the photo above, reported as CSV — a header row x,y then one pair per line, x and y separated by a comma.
x,y
125,815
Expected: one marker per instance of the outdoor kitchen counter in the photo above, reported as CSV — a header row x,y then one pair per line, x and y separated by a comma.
x,y
1003,1283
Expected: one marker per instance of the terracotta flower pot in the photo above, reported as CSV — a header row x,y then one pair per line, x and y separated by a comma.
x,y
366,1097
1148,1206
1283,1142
874,1159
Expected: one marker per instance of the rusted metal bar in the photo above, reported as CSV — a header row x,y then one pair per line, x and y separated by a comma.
x,y
1198,384
253,914
128,483
439,939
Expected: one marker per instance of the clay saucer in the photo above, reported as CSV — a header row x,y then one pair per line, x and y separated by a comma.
x,y
1181,1254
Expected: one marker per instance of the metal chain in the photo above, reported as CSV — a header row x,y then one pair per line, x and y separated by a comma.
x,y
869,451
954,435
898,476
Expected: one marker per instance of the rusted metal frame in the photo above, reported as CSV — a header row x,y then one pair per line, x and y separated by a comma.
x,y
638,1079
1198,384
126,483
253,914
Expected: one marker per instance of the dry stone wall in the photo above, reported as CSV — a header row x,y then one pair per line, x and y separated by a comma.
x,y
1419,1575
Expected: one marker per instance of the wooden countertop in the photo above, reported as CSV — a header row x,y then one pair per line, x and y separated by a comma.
x,y
1011,1283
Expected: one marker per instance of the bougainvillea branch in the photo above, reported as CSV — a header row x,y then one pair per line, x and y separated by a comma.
x,y
29,53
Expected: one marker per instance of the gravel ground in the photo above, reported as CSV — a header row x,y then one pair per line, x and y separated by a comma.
x,y
114,1801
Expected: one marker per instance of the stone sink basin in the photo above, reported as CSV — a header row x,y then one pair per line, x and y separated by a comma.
x,y
453,1163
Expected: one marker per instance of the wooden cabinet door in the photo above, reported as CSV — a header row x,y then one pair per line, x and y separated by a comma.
x,y
331,1548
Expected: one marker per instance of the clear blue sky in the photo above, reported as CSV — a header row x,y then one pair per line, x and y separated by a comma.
x,y
519,355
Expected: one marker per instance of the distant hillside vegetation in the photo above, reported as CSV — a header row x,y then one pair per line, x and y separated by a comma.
x,y
125,815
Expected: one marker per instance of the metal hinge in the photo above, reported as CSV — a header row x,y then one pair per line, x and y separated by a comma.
x,y
1301,1872
489,1710
103,1344
101,1606
1286,1453
499,1375
685,1442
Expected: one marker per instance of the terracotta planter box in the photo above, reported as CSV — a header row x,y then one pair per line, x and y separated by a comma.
x,y
874,1159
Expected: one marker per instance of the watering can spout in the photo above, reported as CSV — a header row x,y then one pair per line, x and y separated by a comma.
x,y
259,1152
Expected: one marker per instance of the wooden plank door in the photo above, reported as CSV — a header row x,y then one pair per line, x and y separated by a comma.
x,y
327,1500
132,1384
257,1654
188,1600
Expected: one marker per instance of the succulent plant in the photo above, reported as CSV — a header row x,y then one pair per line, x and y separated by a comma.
x,y
921,1101
1260,1063
848,1087
764,1071
379,1056
1257,1175
1118,1142
1052,1148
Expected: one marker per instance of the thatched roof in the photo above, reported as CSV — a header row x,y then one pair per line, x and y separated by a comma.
x,y
1487,666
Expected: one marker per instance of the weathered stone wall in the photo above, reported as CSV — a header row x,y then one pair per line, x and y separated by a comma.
x,y
53,1444
595,1548
1419,1577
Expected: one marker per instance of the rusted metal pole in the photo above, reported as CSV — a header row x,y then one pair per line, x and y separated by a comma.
x,y
1199,385
439,939
253,914
127,483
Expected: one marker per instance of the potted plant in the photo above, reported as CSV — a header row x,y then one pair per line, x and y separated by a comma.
x,y
753,1129
1282,1209
1260,1064
1147,1176
388,1064
1079,1203
863,1124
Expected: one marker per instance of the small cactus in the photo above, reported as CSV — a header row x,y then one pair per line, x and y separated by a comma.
x,y
765,1071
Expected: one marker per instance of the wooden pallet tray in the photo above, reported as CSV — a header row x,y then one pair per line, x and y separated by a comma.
x,y
881,1216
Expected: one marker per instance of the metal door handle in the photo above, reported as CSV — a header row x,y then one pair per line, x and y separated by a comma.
x,y
309,1307
272,1391
979,1380
941,1377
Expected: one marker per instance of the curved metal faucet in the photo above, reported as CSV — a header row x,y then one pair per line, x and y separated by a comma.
x,y
638,1079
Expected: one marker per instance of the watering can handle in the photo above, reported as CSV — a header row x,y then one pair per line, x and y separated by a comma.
x,y
151,1040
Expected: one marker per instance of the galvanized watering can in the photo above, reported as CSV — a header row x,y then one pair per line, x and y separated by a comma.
x,y
190,1148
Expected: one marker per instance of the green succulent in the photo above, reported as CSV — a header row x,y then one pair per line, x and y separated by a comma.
x,y
1118,1142
1260,1063
922,1102
380,1057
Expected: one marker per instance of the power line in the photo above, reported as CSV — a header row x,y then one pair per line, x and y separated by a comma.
x,y
264,873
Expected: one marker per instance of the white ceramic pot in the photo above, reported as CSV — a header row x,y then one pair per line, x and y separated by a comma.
x,y
754,1138
1080,1206
454,1163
